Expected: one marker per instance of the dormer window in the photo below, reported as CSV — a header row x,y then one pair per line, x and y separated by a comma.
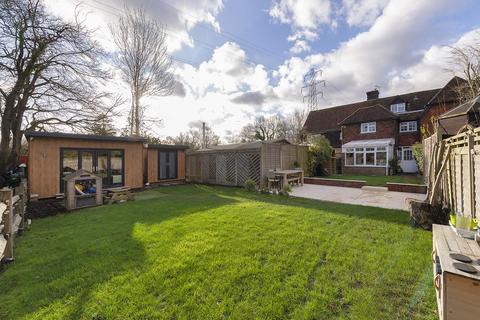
x,y
398,107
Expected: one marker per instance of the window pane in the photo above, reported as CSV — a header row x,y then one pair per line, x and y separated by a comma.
x,y
370,158
172,174
349,159
407,154
87,161
359,149
102,167
70,161
381,148
116,163
370,149
398,107
359,159
381,158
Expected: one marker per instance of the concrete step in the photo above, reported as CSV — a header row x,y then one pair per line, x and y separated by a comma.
x,y
375,189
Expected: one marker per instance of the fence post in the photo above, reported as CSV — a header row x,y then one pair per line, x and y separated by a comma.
x,y
471,187
6,196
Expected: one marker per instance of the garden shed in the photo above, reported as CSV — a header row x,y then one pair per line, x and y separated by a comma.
x,y
232,164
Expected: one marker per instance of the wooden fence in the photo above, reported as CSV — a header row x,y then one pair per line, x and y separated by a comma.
x,y
453,168
12,218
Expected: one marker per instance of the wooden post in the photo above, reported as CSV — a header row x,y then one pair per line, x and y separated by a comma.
x,y
471,185
6,196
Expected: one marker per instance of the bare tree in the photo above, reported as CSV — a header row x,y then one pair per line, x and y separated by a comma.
x,y
275,127
194,138
466,59
143,61
49,74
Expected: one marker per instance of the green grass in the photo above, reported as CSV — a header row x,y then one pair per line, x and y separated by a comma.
x,y
196,252
380,180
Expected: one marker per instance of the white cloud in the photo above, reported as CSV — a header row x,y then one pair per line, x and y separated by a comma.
x,y
374,57
300,46
434,68
363,12
178,19
305,17
303,14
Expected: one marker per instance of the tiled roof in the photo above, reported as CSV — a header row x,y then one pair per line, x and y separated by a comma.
x,y
329,119
372,113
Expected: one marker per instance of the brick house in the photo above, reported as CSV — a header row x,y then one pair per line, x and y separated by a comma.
x,y
367,134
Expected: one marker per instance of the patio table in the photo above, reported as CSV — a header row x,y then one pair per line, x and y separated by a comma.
x,y
285,173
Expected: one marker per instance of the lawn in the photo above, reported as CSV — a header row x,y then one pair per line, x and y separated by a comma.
x,y
197,252
380,180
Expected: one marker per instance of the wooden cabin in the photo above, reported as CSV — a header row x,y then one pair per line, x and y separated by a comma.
x,y
120,161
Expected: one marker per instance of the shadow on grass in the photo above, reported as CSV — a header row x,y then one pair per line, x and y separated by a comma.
x,y
63,258
350,210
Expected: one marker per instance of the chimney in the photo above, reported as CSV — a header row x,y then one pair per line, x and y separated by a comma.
x,y
371,95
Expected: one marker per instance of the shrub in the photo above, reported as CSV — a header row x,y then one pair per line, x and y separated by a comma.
x,y
296,164
394,165
250,185
417,150
319,154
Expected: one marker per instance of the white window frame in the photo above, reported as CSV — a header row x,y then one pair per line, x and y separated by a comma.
x,y
401,153
364,151
368,127
398,107
408,126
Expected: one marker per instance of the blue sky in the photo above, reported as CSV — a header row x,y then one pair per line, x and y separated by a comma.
x,y
237,59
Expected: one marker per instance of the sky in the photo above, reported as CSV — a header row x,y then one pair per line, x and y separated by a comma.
x,y
238,59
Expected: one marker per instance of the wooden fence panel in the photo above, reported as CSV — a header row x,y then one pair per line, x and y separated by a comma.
x,y
460,182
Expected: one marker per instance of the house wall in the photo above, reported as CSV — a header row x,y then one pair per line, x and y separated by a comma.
x,y
408,138
369,171
44,162
385,129
152,161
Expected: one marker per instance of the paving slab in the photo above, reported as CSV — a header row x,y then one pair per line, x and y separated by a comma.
x,y
363,196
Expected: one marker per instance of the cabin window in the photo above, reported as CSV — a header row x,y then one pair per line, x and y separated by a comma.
x,y
398,107
368,127
408,126
106,163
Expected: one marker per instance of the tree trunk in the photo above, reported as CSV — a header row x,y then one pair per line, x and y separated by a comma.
x,y
7,120
137,115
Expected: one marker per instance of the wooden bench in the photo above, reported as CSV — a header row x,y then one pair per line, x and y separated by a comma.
x,y
120,194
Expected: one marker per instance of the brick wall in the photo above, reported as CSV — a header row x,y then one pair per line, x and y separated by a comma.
x,y
336,182
408,138
369,171
405,187
385,129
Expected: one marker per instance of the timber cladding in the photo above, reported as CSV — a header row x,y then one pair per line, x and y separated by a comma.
x,y
44,161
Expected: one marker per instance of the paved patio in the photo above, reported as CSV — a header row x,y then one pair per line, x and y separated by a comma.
x,y
366,196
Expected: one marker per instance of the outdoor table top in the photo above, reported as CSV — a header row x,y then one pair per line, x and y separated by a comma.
x,y
289,171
